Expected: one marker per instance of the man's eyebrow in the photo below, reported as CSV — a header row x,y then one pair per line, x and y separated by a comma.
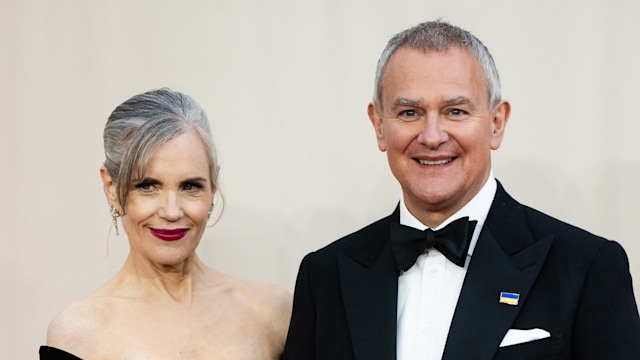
x,y
460,100
406,102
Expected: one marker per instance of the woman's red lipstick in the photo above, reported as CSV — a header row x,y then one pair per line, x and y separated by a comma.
x,y
169,234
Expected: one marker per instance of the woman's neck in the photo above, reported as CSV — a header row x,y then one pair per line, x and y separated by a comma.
x,y
177,283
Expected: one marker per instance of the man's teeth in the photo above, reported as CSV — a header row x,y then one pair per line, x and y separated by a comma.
x,y
433,163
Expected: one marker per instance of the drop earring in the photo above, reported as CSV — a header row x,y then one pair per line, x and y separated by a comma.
x,y
210,211
114,217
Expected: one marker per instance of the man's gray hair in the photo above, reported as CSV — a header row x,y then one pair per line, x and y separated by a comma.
x,y
439,36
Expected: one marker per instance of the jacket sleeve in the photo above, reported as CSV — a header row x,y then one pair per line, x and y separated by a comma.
x,y
607,324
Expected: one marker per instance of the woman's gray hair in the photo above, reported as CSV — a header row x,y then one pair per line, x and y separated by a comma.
x,y
137,127
439,36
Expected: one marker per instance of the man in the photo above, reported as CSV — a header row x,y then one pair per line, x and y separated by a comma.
x,y
492,279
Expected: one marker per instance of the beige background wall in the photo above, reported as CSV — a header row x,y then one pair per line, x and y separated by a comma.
x,y
286,84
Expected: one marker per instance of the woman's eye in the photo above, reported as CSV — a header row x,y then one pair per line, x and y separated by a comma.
x,y
192,187
144,186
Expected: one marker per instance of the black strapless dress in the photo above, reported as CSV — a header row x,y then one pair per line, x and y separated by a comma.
x,y
51,353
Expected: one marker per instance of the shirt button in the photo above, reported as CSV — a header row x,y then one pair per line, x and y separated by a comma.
x,y
434,272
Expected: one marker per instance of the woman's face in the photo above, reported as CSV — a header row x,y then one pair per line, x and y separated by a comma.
x,y
168,209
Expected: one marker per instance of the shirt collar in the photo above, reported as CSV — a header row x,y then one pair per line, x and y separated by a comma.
x,y
476,209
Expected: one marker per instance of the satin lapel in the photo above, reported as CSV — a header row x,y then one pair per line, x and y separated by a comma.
x,y
480,320
370,300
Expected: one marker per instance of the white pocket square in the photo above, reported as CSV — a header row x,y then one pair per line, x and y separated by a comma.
x,y
518,336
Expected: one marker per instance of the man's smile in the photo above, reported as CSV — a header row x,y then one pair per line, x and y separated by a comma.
x,y
435,162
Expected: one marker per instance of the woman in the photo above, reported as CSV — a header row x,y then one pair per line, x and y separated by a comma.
x,y
160,177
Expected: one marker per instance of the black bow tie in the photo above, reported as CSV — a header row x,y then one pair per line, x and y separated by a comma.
x,y
452,241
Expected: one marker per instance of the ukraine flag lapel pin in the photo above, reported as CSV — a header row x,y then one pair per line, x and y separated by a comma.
x,y
509,298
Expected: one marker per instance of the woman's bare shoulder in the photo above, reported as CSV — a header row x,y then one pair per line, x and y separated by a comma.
x,y
274,302
269,302
262,295
75,328
270,305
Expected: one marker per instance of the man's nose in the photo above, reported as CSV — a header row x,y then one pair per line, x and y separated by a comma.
x,y
433,133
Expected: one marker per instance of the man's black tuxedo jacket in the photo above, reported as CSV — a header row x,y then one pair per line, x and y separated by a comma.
x,y
571,283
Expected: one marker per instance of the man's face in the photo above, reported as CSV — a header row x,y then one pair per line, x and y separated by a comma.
x,y
437,129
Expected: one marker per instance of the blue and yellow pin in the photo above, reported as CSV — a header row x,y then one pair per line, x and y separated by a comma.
x,y
509,298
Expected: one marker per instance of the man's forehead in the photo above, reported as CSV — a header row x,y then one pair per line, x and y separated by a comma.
x,y
407,68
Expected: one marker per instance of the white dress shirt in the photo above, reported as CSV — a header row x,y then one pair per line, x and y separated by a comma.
x,y
428,292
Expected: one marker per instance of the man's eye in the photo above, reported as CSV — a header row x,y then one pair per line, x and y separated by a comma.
x,y
456,112
409,115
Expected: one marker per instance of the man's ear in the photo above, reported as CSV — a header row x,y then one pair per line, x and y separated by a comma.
x,y
376,121
109,188
499,122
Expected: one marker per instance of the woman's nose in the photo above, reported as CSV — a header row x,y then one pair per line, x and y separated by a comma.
x,y
171,209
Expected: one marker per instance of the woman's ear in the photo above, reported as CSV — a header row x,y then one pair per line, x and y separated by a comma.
x,y
109,187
